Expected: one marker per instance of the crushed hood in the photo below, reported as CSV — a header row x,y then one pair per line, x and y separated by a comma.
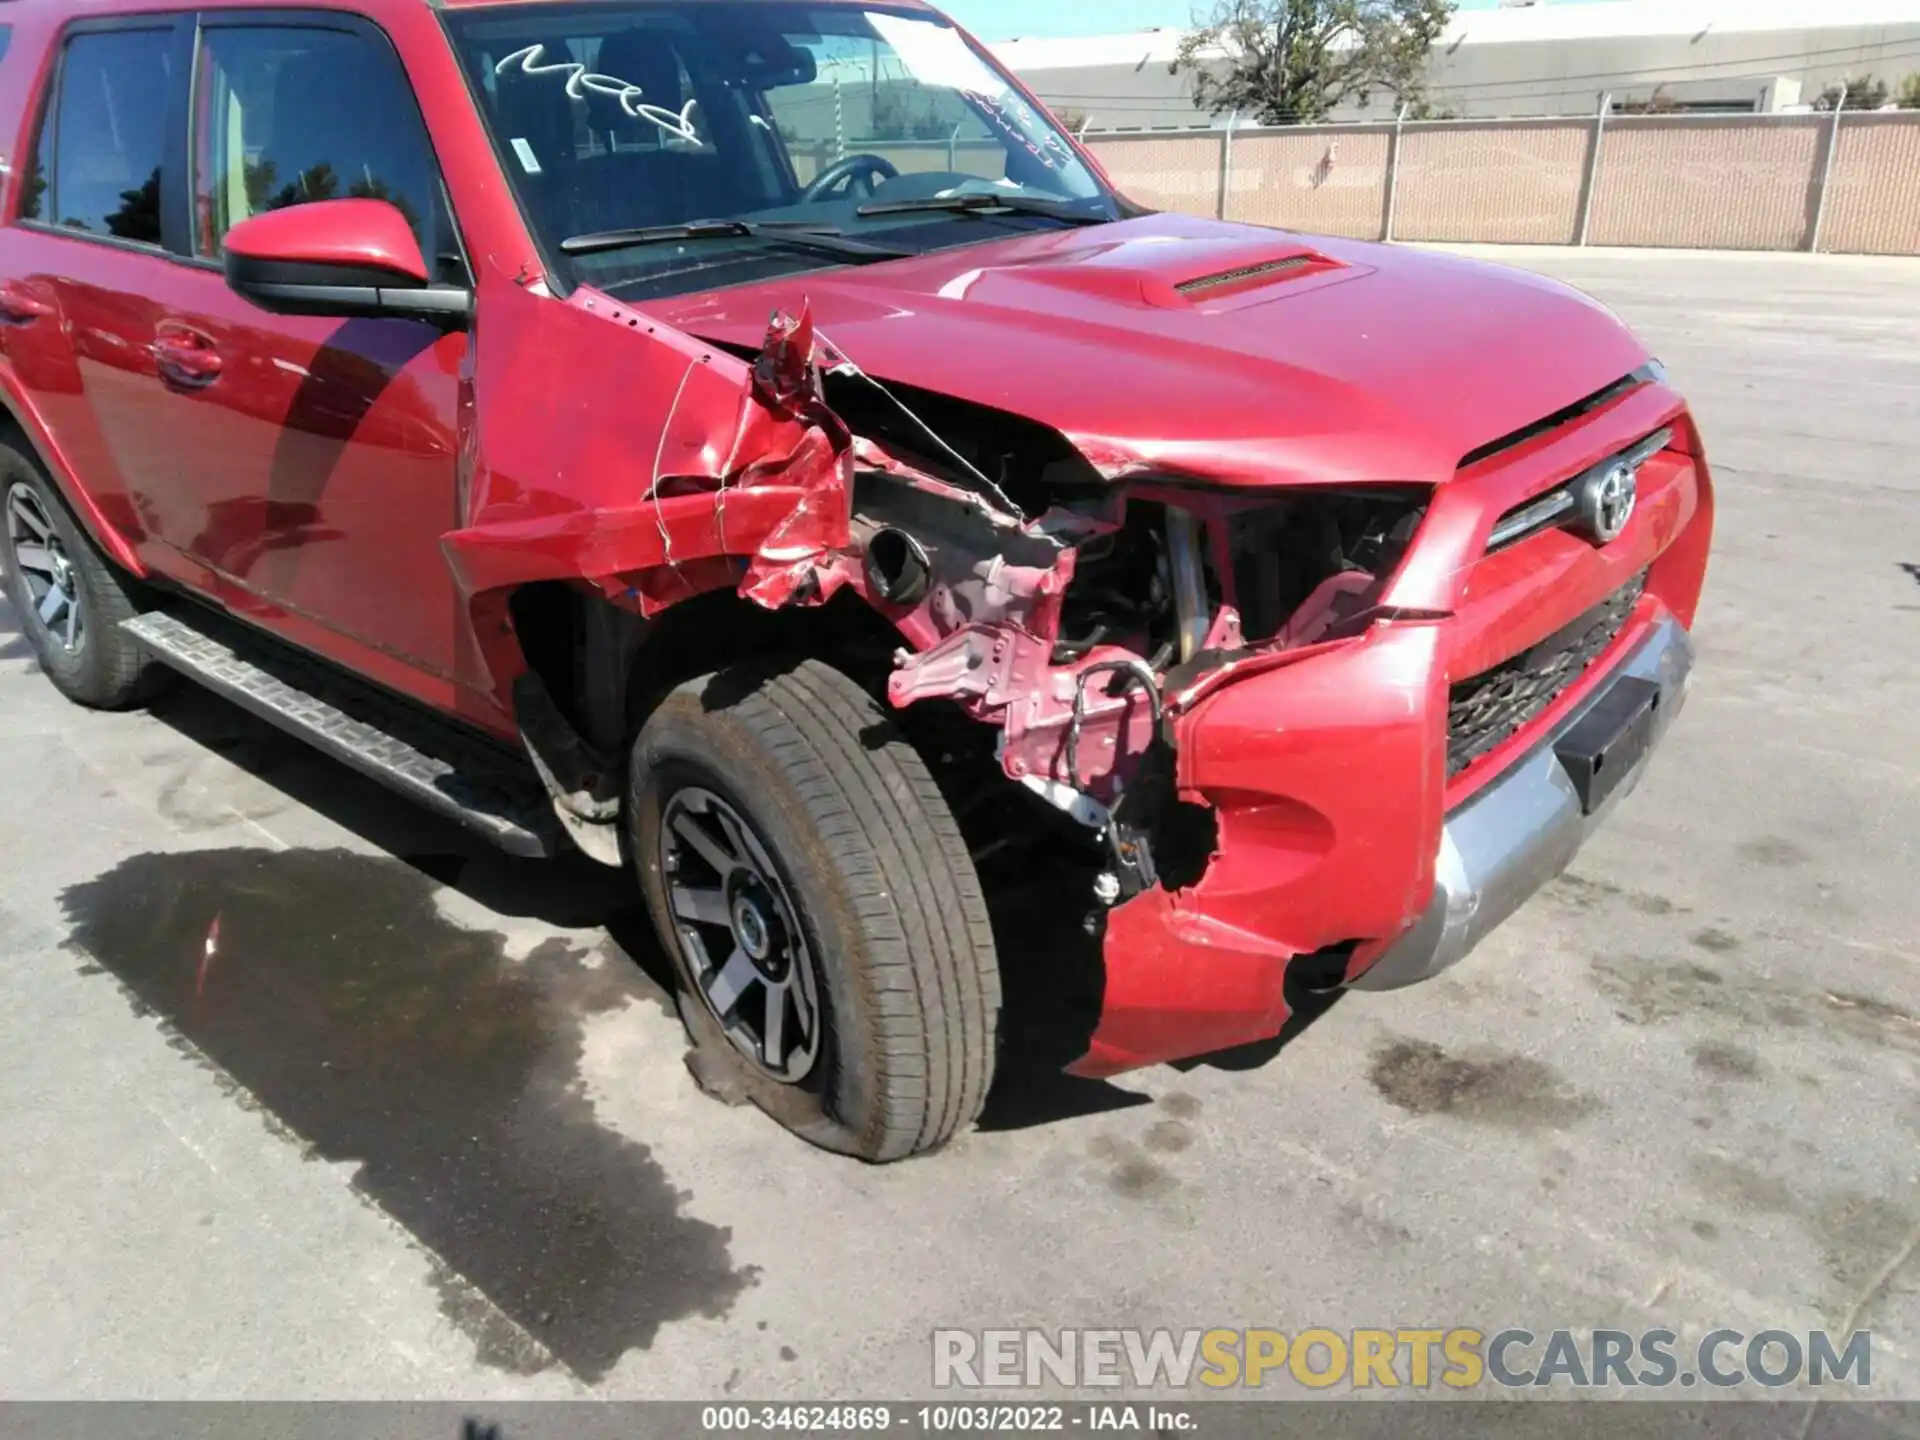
x,y
1226,353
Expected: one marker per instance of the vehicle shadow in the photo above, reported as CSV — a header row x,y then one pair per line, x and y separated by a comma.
x,y
1052,976
569,892
1050,964
1031,1089
1306,1009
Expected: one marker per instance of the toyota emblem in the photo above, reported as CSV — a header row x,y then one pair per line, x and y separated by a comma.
x,y
1607,501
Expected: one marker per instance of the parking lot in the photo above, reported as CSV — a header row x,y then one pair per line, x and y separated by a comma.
x,y
420,1126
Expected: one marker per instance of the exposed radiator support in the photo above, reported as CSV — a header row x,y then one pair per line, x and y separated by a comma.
x,y
1189,581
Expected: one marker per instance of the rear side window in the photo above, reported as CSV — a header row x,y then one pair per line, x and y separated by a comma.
x,y
289,115
98,164
6,37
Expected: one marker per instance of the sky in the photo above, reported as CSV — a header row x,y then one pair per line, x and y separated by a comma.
x,y
1005,19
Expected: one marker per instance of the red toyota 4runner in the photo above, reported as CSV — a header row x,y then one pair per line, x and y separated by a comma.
x,y
747,440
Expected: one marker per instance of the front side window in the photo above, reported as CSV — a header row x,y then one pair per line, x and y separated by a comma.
x,y
97,167
885,128
287,115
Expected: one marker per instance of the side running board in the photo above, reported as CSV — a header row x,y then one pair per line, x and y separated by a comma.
x,y
491,791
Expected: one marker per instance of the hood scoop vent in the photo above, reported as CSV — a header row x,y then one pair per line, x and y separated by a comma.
x,y
1239,276
1251,274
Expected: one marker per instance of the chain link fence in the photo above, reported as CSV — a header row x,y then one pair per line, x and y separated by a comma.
x,y
1846,184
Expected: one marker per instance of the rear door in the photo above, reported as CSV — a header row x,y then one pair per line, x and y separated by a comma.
x,y
86,261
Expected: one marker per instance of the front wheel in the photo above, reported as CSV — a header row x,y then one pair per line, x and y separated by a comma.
x,y
833,948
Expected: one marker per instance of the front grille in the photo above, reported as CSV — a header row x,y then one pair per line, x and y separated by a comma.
x,y
1561,505
1484,711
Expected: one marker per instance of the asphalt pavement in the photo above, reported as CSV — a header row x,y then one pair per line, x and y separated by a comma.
x,y
419,1125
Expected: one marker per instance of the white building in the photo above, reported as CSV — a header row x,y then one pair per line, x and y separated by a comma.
x,y
1538,59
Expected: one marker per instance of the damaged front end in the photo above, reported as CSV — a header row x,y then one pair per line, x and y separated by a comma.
x,y
1089,635
1163,666
1126,686
1124,681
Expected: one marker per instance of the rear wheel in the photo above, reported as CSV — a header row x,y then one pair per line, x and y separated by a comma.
x,y
69,598
834,952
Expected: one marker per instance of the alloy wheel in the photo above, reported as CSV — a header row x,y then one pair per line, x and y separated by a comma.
x,y
51,579
739,932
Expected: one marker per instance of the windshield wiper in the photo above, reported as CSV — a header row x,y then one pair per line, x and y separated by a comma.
x,y
979,204
800,234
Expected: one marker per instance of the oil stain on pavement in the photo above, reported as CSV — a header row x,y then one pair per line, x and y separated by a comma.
x,y
1855,1230
1654,990
1482,1084
328,986
1725,1062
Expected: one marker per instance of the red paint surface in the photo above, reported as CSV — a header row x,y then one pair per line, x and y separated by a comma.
x,y
374,490
361,233
1390,368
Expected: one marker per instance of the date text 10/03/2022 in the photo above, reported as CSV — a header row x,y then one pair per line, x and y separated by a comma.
x,y
987,1419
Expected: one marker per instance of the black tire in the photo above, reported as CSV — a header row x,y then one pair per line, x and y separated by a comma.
x,y
886,894
104,669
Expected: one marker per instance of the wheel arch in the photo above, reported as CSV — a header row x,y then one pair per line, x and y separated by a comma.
x,y
606,667
21,426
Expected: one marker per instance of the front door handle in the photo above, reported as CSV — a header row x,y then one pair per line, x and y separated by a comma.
x,y
20,306
186,357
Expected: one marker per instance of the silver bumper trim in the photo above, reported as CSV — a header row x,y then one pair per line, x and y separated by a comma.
x,y
1523,829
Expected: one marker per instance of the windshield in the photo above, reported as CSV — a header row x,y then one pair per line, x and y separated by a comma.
x,y
615,117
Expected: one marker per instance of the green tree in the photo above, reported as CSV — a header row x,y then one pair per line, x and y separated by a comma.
x,y
1294,61
138,217
33,190
1072,119
378,189
1907,97
1863,92
889,115
1658,103
260,177
316,182
931,125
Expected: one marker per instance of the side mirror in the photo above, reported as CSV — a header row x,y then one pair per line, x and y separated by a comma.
x,y
350,258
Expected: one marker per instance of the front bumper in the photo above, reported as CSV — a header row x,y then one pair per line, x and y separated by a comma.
x,y
1341,836
1524,828
1325,779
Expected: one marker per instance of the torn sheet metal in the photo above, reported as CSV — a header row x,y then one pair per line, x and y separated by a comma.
x,y
749,480
1083,725
794,561
746,481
